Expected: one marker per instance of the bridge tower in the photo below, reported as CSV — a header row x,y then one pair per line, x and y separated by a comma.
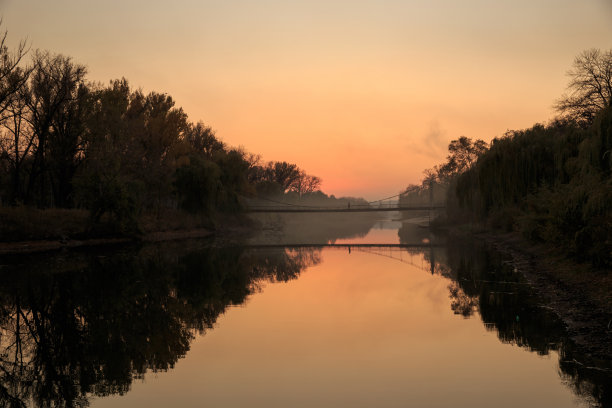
x,y
431,199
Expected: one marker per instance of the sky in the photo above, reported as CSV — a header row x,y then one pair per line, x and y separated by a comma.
x,y
363,94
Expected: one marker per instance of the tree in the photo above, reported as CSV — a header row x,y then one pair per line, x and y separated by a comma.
x,y
234,171
463,152
203,140
157,128
106,183
16,143
12,77
66,141
197,184
305,183
283,173
590,87
52,98
311,184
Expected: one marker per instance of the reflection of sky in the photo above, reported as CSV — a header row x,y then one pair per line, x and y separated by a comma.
x,y
385,230
375,236
333,86
357,330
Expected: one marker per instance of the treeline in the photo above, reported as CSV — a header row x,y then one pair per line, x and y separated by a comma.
x,y
434,187
66,142
551,182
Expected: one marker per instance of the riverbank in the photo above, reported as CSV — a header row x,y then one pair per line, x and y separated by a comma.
x,y
578,294
25,231
25,247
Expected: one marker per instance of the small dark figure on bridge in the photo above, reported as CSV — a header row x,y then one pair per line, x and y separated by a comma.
x,y
349,206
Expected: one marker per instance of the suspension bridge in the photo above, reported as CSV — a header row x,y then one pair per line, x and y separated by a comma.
x,y
294,208
274,206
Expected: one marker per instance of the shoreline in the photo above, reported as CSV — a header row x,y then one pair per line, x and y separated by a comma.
x,y
580,296
34,246
33,230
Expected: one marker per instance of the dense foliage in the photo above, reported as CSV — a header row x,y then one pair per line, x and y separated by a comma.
x,y
463,152
68,143
552,183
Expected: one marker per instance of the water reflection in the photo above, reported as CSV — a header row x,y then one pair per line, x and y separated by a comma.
x,y
305,228
88,324
81,324
483,282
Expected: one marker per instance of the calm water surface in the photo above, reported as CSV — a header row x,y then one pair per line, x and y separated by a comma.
x,y
190,325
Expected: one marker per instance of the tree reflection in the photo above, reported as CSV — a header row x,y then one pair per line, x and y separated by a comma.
x,y
89,325
482,281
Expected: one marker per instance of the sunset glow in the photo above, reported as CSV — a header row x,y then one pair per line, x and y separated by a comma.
x,y
364,94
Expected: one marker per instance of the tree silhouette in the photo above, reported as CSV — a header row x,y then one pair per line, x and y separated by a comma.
x,y
12,77
52,97
590,86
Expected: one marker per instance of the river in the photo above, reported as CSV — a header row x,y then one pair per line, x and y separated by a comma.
x,y
427,323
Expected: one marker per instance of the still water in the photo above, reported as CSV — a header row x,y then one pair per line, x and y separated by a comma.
x,y
195,324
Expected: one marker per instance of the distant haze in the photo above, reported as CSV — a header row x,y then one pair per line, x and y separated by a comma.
x,y
364,94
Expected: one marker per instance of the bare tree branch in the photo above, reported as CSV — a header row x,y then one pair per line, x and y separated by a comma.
x,y
590,86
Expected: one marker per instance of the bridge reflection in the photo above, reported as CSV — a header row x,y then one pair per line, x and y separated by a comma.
x,y
346,245
353,208
406,253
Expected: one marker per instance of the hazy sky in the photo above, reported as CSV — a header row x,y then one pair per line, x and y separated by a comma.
x,y
364,94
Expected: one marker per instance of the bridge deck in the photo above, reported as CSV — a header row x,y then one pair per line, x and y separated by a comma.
x,y
270,209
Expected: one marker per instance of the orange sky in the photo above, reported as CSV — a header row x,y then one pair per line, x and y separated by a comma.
x,y
364,94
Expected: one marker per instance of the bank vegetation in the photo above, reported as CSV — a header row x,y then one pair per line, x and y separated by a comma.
x,y
551,182
82,159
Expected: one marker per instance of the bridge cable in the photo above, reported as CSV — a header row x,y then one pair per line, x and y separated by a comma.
x,y
386,198
311,206
285,203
